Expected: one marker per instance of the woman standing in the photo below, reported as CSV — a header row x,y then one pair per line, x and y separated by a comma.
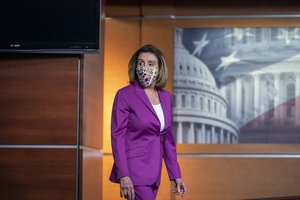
x,y
141,129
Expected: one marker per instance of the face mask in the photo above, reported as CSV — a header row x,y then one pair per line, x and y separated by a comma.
x,y
146,75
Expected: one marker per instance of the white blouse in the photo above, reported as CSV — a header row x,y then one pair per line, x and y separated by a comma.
x,y
159,112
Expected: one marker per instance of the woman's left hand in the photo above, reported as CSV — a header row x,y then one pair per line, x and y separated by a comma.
x,y
179,187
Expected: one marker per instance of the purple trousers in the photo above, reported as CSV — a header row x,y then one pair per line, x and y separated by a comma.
x,y
145,192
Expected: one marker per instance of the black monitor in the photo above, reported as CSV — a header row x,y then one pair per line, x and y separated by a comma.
x,y
66,26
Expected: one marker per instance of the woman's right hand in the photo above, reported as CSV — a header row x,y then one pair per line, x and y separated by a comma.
x,y
126,188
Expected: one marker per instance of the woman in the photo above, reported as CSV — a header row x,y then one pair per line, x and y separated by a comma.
x,y
141,129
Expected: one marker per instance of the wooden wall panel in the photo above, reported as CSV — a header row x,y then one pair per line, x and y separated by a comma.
x,y
122,39
92,101
198,8
122,8
240,178
112,190
160,33
37,174
121,11
92,169
239,148
214,178
38,99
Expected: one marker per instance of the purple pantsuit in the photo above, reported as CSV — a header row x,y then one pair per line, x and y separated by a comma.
x,y
138,145
145,192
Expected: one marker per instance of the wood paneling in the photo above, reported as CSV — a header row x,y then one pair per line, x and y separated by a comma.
x,y
279,198
215,178
211,8
192,7
121,11
211,3
160,33
92,169
38,99
239,148
37,174
240,178
122,39
92,100
122,8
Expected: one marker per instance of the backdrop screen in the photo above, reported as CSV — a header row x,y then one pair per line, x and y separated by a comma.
x,y
237,85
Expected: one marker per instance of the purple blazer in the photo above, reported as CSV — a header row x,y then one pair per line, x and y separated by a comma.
x,y
137,144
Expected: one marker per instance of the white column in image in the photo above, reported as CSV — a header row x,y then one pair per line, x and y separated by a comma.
x,y
203,138
208,137
232,102
199,135
213,134
191,134
297,84
225,136
297,100
256,92
179,133
228,137
276,97
222,136
233,139
247,101
256,109
238,106
276,86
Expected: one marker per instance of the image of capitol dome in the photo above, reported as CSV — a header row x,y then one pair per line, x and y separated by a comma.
x,y
199,108
230,88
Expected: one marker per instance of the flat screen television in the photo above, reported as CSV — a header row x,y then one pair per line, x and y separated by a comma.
x,y
49,26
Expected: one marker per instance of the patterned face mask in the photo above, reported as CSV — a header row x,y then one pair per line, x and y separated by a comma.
x,y
146,75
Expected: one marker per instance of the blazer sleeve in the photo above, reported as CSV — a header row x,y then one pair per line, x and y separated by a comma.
x,y
170,154
119,121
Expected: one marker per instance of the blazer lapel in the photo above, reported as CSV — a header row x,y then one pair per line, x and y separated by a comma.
x,y
142,95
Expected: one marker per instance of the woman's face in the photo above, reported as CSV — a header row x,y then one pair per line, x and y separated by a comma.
x,y
147,60
147,68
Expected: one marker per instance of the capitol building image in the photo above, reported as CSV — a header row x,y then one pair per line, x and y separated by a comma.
x,y
262,106
199,109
